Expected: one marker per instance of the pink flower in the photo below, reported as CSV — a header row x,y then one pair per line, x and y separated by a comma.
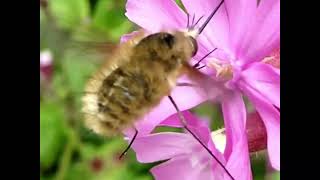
x,y
244,34
187,158
46,65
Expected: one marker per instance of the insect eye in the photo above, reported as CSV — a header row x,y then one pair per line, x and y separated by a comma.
x,y
194,45
168,39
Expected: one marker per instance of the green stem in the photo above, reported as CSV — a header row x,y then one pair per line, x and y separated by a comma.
x,y
66,157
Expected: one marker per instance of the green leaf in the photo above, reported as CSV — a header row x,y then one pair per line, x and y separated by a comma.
x,y
107,150
69,13
52,133
79,171
58,85
46,178
276,176
210,110
109,17
77,71
42,18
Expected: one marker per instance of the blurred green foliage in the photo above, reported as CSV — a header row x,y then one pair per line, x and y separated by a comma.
x,y
52,133
69,151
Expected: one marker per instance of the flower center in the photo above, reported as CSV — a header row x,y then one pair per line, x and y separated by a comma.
x,y
223,71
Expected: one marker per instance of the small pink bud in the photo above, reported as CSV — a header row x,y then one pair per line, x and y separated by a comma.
x,y
256,133
46,65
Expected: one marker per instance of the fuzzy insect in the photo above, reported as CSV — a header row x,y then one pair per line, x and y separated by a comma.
x,y
138,76
135,79
141,72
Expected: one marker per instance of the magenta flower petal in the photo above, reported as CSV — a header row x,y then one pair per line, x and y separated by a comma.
x,y
216,33
183,167
165,109
236,152
234,113
192,120
195,124
156,15
265,80
264,33
240,15
176,168
188,159
161,146
271,118
243,32
185,97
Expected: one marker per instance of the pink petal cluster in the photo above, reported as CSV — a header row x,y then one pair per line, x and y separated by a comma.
x,y
246,34
187,158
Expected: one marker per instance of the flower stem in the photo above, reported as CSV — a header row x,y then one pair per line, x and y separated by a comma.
x,y
66,157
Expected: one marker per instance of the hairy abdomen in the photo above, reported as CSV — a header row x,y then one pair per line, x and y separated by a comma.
x,y
125,96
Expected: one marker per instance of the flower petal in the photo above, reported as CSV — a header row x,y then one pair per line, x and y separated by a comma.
x,y
271,118
264,32
240,14
198,127
161,146
185,97
174,120
176,168
265,80
236,152
156,15
217,31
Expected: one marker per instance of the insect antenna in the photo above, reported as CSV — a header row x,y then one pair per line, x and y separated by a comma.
x,y
209,18
130,144
198,63
194,25
193,18
184,124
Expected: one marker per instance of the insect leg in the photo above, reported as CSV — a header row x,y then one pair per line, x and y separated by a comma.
x,y
210,16
198,63
201,67
130,144
184,123
185,84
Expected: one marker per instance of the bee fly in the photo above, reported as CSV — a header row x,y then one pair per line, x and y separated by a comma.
x,y
141,72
